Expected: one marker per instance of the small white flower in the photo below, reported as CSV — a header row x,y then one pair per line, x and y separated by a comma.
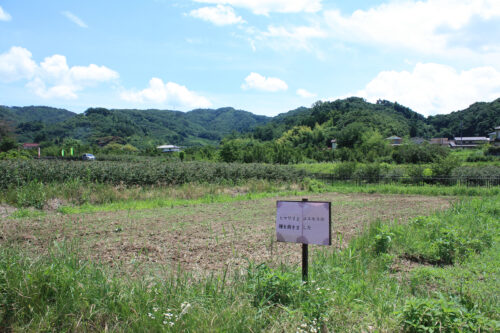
x,y
185,308
150,315
155,309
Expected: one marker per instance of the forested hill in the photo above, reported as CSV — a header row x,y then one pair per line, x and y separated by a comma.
x,y
477,120
385,117
42,114
141,128
146,128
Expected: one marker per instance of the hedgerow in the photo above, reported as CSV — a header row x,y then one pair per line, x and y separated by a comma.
x,y
18,173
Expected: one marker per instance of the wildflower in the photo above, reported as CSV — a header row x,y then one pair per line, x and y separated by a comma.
x,y
150,315
155,309
185,308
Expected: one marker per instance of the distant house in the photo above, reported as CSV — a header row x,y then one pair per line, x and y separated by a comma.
x,y
418,141
30,145
394,140
470,141
440,141
495,137
169,148
334,143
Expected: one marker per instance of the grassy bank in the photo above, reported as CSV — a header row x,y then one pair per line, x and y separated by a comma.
x,y
79,197
438,272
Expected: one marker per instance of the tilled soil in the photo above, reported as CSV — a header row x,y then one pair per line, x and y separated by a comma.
x,y
204,237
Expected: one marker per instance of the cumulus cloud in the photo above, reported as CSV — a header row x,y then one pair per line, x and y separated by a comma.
x,y
219,15
4,16
16,64
424,26
52,78
305,94
434,88
169,93
259,82
264,7
75,19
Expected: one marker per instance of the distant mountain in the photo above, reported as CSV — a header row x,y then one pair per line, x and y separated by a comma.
x,y
479,119
42,114
138,127
143,128
386,117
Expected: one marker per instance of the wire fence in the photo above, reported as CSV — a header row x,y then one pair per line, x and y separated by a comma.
x,y
410,180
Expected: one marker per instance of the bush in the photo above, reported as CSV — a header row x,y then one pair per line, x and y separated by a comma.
x,y
271,287
431,315
345,170
382,240
31,195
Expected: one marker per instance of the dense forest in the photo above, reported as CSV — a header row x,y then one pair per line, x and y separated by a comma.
x,y
360,129
140,128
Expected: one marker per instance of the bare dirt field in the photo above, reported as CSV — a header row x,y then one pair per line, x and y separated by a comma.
x,y
204,237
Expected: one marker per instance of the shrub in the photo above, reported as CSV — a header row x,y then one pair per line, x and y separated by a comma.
x,y
382,240
431,315
31,195
271,287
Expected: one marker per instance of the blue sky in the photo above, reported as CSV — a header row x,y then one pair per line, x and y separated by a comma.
x,y
263,56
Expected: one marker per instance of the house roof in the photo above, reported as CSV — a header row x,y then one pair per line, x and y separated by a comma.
x,y
167,147
30,145
471,138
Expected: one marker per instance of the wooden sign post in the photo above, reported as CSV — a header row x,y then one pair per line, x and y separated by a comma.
x,y
306,222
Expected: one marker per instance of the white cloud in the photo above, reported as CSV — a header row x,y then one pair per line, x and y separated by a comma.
x,y
4,16
75,19
294,37
16,64
264,7
425,26
219,15
169,93
52,78
259,82
305,94
434,88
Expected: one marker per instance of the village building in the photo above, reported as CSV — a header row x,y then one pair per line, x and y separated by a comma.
x,y
169,148
395,140
469,142
495,136
440,141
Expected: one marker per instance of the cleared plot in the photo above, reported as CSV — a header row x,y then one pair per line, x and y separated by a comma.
x,y
204,237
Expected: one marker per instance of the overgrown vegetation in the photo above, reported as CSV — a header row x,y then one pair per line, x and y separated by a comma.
x,y
363,287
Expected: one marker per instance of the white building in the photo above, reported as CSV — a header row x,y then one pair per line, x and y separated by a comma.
x,y
169,148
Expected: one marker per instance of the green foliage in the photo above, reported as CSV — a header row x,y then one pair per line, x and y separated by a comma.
x,y
15,154
271,287
413,153
452,236
135,173
477,120
444,166
440,315
382,240
31,195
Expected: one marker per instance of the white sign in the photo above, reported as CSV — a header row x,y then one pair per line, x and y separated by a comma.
x,y
306,222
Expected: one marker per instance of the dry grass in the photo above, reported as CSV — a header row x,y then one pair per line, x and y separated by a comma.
x,y
204,237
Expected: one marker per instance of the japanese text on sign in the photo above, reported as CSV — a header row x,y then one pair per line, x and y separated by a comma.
x,y
306,222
